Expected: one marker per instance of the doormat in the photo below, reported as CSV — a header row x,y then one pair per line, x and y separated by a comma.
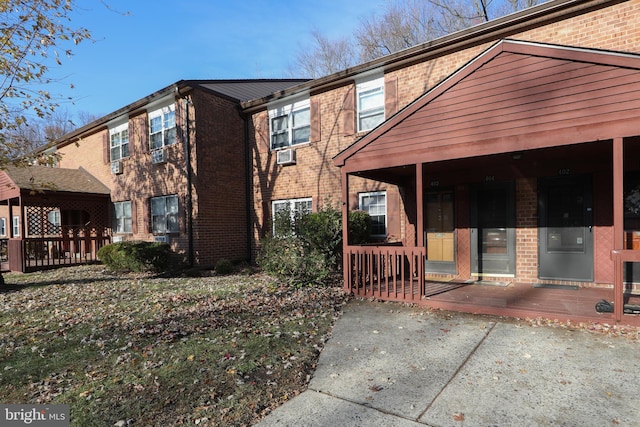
x,y
487,283
552,286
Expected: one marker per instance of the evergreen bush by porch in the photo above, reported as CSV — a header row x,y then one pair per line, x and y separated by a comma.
x,y
136,256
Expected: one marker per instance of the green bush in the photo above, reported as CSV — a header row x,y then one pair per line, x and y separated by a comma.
x,y
224,266
308,248
289,259
322,232
359,227
136,256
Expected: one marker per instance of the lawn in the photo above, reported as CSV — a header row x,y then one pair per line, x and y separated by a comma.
x,y
135,349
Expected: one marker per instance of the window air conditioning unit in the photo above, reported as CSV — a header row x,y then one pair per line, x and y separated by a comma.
x,y
116,167
158,156
161,239
286,157
117,239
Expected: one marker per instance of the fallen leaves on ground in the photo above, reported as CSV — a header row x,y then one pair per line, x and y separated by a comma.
x,y
212,350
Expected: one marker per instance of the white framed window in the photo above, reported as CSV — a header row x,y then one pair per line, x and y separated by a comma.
x,y
122,219
53,218
290,124
370,103
3,227
16,226
285,212
164,214
162,127
375,204
119,142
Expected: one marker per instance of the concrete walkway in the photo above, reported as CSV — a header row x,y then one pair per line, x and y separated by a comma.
x,y
392,365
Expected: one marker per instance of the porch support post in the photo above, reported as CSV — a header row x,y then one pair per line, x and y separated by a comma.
x,y
345,229
618,196
618,226
419,206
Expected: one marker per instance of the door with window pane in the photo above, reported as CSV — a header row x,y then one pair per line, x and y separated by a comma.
x,y
565,215
440,232
493,236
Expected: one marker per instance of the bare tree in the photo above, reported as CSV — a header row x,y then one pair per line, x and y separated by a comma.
x,y
325,56
400,25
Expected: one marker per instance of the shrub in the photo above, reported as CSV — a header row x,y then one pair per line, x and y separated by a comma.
x,y
359,227
136,256
322,232
307,248
289,259
224,266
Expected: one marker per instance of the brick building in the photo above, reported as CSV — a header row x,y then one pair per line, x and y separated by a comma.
x,y
411,139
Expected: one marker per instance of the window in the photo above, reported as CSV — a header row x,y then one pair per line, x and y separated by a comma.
x,y
164,214
3,226
119,142
53,227
290,124
162,127
123,221
16,226
375,204
370,98
285,212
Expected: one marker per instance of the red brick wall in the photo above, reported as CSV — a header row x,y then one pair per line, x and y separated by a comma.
x,y
616,27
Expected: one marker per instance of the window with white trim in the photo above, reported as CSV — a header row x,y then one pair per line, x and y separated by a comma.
x,y
53,218
164,214
290,124
162,127
285,212
375,204
119,142
122,219
16,226
370,103
3,227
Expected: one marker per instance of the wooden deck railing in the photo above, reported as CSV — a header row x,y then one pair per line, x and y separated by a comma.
x,y
619,258
38,253
389,272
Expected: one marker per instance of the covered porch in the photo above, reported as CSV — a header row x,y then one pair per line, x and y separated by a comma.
x,y
51,217
518,177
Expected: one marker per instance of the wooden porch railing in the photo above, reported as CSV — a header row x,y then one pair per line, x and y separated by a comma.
x,y
38,253
619,258
389,272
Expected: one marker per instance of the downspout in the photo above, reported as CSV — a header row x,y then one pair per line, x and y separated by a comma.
x,y
187,154
248,184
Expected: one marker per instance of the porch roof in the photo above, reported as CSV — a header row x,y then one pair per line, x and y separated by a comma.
x,y
15,180
515,96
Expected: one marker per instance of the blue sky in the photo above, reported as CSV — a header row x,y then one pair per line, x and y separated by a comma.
x,y
159,42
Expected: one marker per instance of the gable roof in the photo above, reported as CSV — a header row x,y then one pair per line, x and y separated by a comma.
x,y
42,178
528,95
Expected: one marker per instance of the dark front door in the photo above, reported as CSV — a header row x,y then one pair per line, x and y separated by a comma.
x,y
565,215
493,236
